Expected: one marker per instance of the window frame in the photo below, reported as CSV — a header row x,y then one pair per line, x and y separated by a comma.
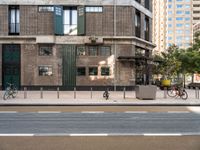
x,y
105,71
46,74
89,71
80,67
46,46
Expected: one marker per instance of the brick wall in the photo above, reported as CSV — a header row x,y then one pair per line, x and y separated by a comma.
x,y
3,20
30,61
28,20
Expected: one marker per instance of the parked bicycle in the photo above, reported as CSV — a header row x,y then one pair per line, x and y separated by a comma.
x,y
106,94
175,91
11,91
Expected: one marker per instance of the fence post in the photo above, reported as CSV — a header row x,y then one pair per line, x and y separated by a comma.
x,y
41,92
165,92
124,92
91,93
58,94
74,92
197,93
25,93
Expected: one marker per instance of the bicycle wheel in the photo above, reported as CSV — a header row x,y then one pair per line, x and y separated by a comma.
x,y
171,93
6,95
184,95
14,92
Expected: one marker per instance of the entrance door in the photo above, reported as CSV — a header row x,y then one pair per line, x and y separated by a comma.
x,y
11,65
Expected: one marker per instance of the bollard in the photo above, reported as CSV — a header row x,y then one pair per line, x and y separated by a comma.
x,y
74,92
41,92
25,93
165,92
197,93
124,92
58,94
91,93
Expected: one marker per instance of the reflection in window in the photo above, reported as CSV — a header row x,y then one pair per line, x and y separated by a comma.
x,y
81,51
45,50
105,71
70,21
105,51
81,71
93,71
14,20
45,70
93,9
92,50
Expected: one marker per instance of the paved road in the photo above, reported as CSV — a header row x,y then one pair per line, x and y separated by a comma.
x,y
130,123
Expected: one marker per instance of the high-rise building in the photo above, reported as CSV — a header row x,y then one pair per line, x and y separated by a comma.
x,y
177,26
196,11
159,25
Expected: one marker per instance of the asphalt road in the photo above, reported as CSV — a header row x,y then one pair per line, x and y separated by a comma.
x,y
100,123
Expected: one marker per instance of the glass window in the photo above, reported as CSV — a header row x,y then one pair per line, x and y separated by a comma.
x,y
93,9
105,51
170,6
45,50
169,38
187,12
169,0
81,71
105,71
179,25
179,38
187,0
93,71
179,18
187,38
169,25
179,12
70,21
169,12
93,50
81,51
169,19
170,31
187,25
179,6
137,23
187,6
187,19
179,31
14,20
45,8
45,70
187,31
179,0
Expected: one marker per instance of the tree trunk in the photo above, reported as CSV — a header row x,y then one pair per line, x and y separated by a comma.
x,y
184,80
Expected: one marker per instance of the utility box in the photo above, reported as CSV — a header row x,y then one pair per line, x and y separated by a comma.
x,y
146,92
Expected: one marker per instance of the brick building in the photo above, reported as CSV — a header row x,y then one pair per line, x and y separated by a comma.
x,y
79,43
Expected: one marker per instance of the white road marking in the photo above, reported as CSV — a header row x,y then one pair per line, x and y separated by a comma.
x,y
179,112
49,112
88,134
16,134
162,134
8,112
138,112
92,112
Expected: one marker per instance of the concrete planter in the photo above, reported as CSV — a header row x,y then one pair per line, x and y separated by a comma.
x,y
146,92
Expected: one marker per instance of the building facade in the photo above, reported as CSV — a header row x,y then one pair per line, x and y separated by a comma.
x,y
196,12
173,19
159,25
75,43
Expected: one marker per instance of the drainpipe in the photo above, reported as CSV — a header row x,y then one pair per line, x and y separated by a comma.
x,y
115,47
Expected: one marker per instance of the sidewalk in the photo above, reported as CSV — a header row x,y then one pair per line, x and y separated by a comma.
x,y
95,98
